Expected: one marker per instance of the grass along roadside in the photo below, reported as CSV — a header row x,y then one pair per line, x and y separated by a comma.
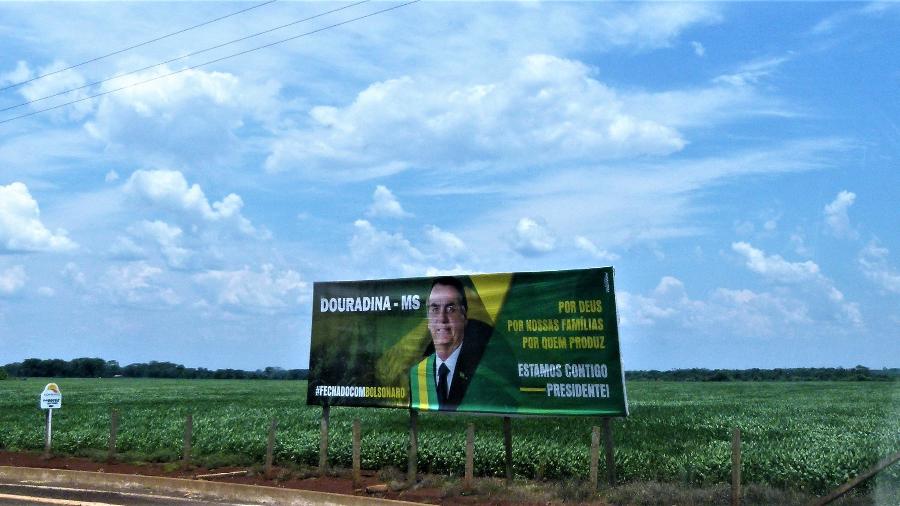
x,y
805,437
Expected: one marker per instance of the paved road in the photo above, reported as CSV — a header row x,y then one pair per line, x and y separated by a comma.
x,y
20,495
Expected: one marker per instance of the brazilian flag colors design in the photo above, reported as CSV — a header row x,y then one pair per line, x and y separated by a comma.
x,y
535,343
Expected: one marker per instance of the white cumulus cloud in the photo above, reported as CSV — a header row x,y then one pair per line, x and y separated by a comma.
x,y
588,246
699,50
73,273
385,204
22,72
807,274
192,115
775,267
390,253
170,190
21,228
532,237
266,290
370,246
446,243
125,248
873,260
167,237
137,283
12,280
660,304
739,313
434,122
655,25
38,90
836,216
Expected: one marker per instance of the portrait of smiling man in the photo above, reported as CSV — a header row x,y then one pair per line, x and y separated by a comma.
x,y
457,345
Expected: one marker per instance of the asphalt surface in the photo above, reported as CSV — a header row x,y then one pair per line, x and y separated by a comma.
x,y
64,487
14,494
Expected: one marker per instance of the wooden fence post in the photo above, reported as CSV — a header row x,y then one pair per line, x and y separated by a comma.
x,y
865,475
356,451
595,457
270,446
188,433
610,452
736,467
323,441
113,433
413,455
507,445
470,457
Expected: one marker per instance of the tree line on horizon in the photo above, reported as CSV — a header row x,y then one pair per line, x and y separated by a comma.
x,y
99,368
858,373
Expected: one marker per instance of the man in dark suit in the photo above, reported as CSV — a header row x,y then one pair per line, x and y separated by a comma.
x,y
443,377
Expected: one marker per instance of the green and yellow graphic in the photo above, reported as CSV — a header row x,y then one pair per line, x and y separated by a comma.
x,y
538,343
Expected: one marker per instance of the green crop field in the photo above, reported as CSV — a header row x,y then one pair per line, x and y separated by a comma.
x,y
809,436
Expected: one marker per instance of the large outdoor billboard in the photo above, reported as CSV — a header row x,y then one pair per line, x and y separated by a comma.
x,y
537,343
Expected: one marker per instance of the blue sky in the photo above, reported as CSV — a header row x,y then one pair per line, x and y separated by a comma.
x,y
737,164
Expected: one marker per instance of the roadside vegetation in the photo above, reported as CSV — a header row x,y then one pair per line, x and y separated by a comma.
x,y
86,367
806,437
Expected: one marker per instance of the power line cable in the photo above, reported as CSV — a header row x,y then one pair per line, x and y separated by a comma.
x,y
136,45
182,57
241,53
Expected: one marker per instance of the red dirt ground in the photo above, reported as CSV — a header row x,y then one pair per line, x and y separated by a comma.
x,y
280,477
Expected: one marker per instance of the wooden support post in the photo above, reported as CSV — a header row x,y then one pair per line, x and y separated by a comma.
x,y
188,433
470,457
270,446
507,445
736,467
413,456
323,441
595,457
357,457
610,452
865,475
113,434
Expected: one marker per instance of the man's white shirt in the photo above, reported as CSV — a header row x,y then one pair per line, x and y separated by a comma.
x,y
450,363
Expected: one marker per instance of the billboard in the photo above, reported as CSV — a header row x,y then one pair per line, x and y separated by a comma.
x,y
533,343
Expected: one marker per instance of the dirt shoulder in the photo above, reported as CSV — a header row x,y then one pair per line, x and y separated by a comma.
x,y
427,491
448,490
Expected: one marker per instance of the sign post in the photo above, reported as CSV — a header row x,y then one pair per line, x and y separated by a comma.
x,y
51,399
